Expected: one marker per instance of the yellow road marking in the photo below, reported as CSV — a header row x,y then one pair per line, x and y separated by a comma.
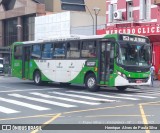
x,y
116,115
152,104
78,111
26,117
47,122
149,103
144,118
58,115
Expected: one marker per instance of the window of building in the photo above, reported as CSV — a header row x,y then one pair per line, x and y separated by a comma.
x,y
39,1
36,51
47,51
73,49
73,5
10,31
111,9
1,61
8,4
73,1
129,10
28,27
145,9
59,50
18,52
88,49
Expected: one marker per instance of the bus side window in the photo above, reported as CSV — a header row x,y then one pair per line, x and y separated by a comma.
x,y
73,49
36,51
88,49
47,51
18,52
59,50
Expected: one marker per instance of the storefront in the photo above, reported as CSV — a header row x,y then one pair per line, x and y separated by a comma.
x,y
152,31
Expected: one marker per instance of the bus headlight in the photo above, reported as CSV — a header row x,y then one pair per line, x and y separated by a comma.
x,y
124,76
121,74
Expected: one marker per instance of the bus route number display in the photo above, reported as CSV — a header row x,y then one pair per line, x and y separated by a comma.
x,y
133,39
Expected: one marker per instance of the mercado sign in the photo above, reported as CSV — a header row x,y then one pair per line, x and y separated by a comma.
x,y
142,30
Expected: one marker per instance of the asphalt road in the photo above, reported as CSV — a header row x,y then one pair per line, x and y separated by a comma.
x,y
21,102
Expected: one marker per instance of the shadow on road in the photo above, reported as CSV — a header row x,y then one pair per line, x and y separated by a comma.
x,y
82,88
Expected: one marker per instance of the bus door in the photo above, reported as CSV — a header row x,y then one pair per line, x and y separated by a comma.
x,y
26,62
105,65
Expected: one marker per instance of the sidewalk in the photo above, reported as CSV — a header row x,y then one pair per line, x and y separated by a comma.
x,y
156,83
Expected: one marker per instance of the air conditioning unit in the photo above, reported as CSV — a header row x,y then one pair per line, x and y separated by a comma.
x,y
117,15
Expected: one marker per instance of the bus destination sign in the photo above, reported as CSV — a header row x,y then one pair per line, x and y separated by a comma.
x,y
133,38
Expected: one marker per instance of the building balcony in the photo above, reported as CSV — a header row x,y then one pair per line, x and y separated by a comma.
x,y
157,2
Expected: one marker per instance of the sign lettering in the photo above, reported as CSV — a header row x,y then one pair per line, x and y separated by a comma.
x,y
142,30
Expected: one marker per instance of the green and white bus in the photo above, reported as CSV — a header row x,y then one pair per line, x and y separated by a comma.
x,y
119,60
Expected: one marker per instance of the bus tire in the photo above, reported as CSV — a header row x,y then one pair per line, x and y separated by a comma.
x,y
91,83
37,78
121,88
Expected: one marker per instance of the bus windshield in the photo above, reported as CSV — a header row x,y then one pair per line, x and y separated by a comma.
x,y
134,54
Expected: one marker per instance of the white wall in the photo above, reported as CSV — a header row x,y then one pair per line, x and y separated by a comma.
x,y
83,23
65,23
52,25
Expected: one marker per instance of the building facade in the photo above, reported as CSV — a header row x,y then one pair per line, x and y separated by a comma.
x,y
135,11
87,6
17,22
17,17
135,17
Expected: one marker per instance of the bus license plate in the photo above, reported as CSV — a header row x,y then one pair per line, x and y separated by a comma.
x,y
138,81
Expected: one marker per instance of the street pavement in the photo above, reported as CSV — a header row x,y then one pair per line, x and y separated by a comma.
x,y
21,102
156,83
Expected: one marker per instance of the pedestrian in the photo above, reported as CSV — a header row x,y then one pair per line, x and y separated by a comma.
x,y
152,69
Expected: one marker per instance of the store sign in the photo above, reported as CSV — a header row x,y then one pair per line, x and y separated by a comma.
x,y
142,30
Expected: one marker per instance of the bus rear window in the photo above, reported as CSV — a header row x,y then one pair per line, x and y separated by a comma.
x,y
18,52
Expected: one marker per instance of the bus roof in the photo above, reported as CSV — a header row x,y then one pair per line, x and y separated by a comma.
x,y
72,37
65,38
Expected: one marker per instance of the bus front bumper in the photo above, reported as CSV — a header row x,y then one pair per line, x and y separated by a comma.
x,y
121,81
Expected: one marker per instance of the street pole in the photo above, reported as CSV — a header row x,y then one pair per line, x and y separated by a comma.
x,y
10,65
96,23
91,17
96,10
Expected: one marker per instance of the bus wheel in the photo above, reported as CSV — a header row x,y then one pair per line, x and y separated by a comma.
x,y
37,78
91,83
121,88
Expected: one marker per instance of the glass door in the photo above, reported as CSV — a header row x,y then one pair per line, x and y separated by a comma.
x,y
26,62
106,61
